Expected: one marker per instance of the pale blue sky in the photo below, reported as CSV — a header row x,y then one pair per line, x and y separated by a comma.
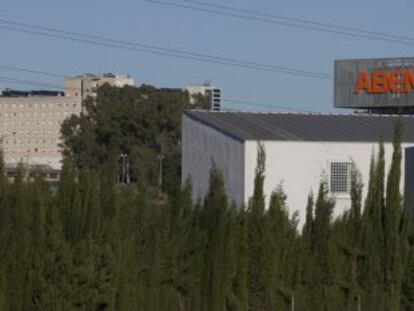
x,y
149,23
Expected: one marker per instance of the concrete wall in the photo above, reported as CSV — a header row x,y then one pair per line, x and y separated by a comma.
x,y
200,145
300,165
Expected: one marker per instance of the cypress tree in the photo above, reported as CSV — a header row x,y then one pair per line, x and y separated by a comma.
x,y
55,264
308,227
407,290
218,249
391,221
373,236
240,284
323,216
181,247
305,275
356,203
322,239
279,238
256,235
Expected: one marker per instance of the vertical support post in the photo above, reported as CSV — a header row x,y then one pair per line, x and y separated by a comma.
x,y
160,157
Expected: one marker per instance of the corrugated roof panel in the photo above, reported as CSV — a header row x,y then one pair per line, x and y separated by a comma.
x,y
304,127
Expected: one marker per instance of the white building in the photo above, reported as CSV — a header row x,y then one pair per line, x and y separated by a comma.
x,y
87,84
212,93
30,128
300,149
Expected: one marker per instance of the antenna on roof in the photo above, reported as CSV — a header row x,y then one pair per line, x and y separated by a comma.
x,y
208,82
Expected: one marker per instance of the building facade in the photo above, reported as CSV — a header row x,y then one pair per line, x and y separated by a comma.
x,y
212,93
87,85
300,150
30,121
30,127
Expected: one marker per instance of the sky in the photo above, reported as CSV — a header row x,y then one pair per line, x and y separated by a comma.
x,y
149,23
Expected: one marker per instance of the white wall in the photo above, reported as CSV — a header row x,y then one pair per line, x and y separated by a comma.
x,y
200,145
300,165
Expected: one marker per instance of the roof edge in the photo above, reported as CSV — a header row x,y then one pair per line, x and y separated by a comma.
x,y
192,116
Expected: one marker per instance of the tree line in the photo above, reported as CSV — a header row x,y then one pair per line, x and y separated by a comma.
x,y
141,124
93,244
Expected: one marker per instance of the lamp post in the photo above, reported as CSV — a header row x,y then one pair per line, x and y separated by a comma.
x,y
125,168
160,158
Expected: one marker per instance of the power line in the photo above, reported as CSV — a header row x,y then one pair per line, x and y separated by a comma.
x,y
19,69
300,20
137,47
29,82
291,22
37,83
160,50
39,72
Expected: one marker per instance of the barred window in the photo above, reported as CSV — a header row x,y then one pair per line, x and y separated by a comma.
x,y
340,173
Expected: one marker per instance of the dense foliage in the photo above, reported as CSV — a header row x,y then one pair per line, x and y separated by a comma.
x,y
97,245
141,123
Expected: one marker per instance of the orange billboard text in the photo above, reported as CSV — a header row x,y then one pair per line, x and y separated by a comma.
x,y
380,82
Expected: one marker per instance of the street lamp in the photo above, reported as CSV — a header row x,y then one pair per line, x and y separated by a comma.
x,y
125,168
160,158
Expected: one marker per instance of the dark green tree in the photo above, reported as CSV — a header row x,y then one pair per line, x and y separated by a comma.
x,y
256,210
138,125
394,237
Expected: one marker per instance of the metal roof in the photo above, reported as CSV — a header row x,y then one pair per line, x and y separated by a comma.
x,y
304,127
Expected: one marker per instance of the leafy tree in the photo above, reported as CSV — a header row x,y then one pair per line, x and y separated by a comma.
x,y
139,122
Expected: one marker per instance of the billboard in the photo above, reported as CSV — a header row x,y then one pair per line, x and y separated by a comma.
x,y
374,83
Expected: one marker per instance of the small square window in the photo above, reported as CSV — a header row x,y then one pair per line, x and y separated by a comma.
x,y
340,177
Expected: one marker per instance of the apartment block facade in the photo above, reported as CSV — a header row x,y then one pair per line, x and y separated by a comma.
x,y
87,85
212,93
30,128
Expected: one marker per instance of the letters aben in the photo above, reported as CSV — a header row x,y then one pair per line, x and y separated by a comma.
x,y
380,82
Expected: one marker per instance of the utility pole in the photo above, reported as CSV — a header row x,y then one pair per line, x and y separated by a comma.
x,y
124,169
127,171
160,158
81,96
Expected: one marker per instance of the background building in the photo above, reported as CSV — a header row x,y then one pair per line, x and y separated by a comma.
x,y
32,171
300,149
212,93
87,84
30,121
30,126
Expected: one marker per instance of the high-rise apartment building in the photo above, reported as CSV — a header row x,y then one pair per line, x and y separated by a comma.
x,y
30,126
87,85
212,93
30,121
